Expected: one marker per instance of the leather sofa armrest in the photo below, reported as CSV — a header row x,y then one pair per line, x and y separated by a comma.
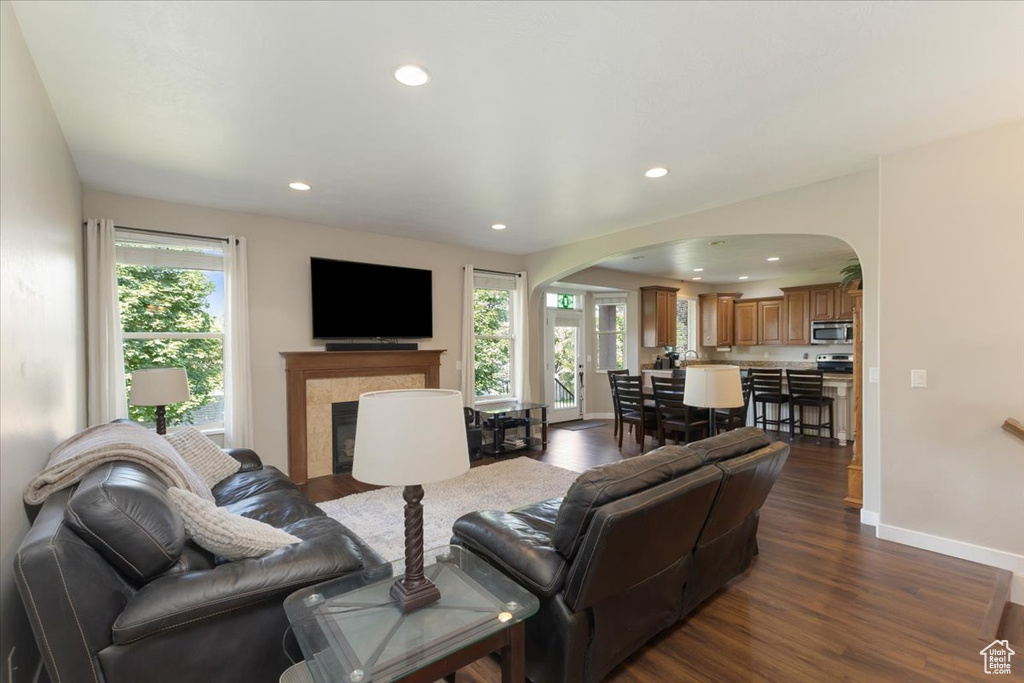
x,y
523,552
182,599
248,458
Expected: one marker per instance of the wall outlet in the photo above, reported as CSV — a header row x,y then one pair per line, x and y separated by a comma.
x,y
918,379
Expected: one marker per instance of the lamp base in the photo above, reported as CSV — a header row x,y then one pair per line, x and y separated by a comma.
x,y
411,596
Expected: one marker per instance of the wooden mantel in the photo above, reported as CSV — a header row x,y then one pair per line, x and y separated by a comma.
x,y
302,366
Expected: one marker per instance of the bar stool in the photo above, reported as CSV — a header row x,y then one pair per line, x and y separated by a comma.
x,y
807,388
612,374
766,388
727,419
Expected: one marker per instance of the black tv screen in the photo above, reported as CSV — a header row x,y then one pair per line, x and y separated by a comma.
x,y
368,300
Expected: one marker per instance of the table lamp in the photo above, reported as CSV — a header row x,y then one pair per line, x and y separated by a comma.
x,y
713,387
408,438
159,387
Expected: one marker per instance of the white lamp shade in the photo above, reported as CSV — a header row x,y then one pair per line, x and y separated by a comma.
x,y
713,386
159,387
409,437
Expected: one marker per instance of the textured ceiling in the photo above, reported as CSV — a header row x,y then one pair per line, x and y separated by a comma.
x,y
739,255
542,116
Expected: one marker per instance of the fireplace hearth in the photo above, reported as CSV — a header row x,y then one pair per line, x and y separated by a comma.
x,y
343,430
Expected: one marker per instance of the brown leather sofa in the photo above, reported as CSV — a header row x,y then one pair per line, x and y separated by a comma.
x,y
116,594
632,548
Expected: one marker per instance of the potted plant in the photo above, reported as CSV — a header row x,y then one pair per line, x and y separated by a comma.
x,y
851,275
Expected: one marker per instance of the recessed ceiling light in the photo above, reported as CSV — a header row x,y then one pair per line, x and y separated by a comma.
x,y
698,270
716,243
411,75
498,226
773,258
696,278
300,186
656,172
743,277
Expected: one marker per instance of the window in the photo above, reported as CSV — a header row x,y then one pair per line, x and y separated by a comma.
x,y
610,316
565,301
686,325
172,315
494,335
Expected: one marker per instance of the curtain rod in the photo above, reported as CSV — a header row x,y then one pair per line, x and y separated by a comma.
x,y
169,233
492,272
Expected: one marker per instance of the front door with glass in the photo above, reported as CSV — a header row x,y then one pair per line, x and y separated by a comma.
x,y
563,365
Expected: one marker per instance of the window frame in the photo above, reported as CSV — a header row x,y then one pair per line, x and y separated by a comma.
x,y
144,250
691,323
615,300
497,283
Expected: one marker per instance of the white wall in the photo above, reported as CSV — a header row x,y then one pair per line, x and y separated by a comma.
x,y
42,359
279,298
952,282
846,208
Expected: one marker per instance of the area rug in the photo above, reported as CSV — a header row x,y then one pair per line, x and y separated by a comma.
x,y
377,517
585,424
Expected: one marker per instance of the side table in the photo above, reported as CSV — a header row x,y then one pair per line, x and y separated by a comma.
x,y
350,630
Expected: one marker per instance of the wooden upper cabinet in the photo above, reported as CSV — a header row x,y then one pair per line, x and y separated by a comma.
x,y
796,313
844,304
770,322
823,302
726,303
708,319
745,327
658,316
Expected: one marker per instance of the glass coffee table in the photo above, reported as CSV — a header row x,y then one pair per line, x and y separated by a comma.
x,y
350,630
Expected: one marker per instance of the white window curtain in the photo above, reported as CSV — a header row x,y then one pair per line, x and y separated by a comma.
x,y
238,422
521,351
107,399
468,338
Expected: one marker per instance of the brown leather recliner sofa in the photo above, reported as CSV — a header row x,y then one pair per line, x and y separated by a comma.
x,y
116,594
632,548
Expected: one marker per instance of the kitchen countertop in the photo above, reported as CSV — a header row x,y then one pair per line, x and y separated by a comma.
x,y
831,376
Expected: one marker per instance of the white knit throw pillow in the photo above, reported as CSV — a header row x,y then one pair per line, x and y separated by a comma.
x,y
224,533
206,457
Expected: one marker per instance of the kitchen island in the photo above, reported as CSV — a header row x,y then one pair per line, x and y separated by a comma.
x,y
839,386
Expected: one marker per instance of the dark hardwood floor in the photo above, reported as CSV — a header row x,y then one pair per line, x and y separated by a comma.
x,y
824,600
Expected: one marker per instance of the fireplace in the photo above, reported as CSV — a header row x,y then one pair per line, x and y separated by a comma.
x,y
343,430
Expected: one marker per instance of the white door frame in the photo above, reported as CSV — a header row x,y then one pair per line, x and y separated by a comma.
x,y
565,318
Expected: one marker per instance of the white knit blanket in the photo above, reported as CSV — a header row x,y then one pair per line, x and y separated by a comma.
x,y
95,446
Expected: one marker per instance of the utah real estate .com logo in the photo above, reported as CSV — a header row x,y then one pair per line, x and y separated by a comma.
x,y
997,657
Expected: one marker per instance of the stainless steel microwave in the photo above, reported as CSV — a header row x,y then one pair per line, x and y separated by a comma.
x,y
832,332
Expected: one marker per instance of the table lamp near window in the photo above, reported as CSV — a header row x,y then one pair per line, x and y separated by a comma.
x,y
159,387
713,387
409,438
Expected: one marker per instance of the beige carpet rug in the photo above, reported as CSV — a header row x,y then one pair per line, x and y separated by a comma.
x,y
377,516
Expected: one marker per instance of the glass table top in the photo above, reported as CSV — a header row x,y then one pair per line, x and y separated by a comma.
x,y
351,631
508,407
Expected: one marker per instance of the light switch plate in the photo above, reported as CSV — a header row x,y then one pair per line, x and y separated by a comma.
x,y
873,375
918,379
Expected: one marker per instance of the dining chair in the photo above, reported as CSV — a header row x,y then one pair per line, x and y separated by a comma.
x,y
632,409
767,390
673,415
727,419
612,374
807,390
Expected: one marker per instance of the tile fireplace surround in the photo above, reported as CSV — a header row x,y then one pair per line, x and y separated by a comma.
x,y
316,379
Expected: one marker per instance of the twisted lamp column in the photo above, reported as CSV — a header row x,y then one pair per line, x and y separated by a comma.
x,y
414,590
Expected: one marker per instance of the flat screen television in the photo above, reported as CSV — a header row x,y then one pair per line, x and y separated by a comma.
x,y
369,300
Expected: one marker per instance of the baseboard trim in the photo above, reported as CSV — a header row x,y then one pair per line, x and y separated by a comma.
x,y
599,416
948,546
869,517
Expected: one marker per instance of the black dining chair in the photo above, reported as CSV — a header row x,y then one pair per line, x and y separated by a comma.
x,y
807,390
673,415
727,419
767,390
612,374
632,408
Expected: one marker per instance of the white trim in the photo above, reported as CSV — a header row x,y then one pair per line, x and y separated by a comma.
x,y
599,416
953,548
869,517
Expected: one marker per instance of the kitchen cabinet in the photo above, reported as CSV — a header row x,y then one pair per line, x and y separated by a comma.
x,y
823,302
658,316
770,322
745,326
716,318
796,303
844,304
